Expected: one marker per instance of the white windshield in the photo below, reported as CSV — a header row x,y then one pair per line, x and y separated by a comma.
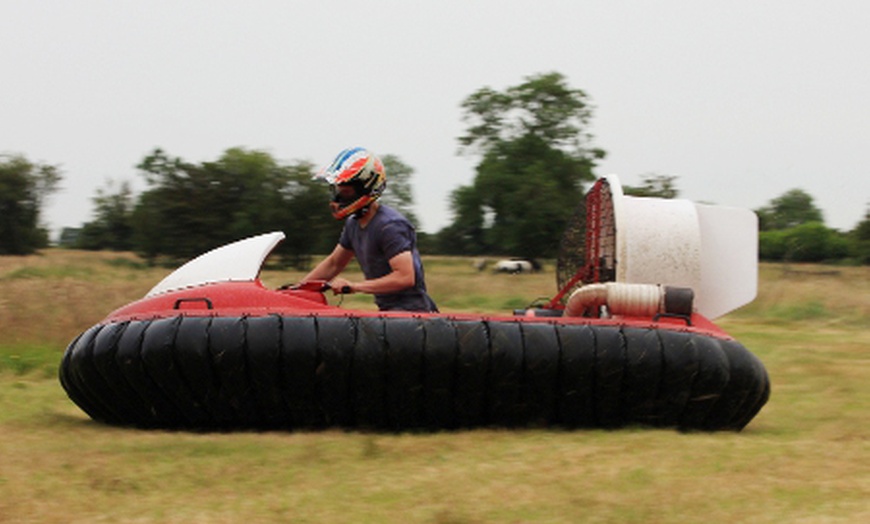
x,y
237,262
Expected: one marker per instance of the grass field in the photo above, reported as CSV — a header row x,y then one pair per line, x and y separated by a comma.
x,y
805,458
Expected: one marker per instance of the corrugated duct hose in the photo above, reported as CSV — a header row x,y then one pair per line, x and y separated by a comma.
x,y
630,299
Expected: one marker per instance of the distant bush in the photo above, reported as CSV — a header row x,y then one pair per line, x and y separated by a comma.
x,y
860,240
808,242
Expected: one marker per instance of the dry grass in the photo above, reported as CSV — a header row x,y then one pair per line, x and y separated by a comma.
x,y
48,298
833,295
805,458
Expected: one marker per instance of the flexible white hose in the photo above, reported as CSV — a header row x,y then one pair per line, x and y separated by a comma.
x,y
620,299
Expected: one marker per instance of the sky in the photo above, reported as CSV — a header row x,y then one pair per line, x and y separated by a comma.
x,y
740,100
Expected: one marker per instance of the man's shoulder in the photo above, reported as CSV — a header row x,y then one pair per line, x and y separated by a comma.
x,y
387,214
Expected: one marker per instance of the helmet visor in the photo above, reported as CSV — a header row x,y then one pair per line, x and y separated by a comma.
x,y
345,194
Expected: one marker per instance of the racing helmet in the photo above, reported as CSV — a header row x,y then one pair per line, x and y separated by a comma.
x,y
357,178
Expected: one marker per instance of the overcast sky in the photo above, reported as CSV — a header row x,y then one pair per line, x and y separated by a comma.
x,y
742,100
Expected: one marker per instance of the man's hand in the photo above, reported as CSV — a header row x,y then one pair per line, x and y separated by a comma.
x,y
341,286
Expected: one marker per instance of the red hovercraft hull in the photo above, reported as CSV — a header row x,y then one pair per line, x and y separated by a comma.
x,y
237,355
210,347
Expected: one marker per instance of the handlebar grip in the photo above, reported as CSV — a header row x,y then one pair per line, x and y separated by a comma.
x,y
310,285
316,285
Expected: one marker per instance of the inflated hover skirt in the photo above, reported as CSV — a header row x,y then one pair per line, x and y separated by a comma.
x,y
389,373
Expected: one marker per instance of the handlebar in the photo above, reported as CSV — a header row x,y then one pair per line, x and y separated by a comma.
x,y
320,286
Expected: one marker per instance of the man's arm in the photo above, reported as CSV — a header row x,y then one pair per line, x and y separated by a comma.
x,y
401,277
332,265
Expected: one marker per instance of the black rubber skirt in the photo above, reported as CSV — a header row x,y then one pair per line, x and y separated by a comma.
x,y
397,374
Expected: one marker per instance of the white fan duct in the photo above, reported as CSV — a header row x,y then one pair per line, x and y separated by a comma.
x,y
237,262
712,250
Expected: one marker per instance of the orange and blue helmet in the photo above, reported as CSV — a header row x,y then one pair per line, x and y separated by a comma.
x,y
361,171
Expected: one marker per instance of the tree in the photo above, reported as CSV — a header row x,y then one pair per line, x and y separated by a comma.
x,y
861,239
653,185
399,193
791,209
24,188
808,242
191,208
310,227
69,237
792,230
180,215
535,156
466,235
112,226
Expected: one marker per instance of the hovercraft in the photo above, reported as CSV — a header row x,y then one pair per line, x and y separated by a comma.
x,y
626,341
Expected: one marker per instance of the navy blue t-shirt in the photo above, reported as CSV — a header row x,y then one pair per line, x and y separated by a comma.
x,y
388,234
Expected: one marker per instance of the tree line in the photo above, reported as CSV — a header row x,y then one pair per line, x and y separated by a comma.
x,y
792,229
190,208
535,158
24,186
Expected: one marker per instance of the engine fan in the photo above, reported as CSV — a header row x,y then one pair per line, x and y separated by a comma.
x,y
611,237
587,251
